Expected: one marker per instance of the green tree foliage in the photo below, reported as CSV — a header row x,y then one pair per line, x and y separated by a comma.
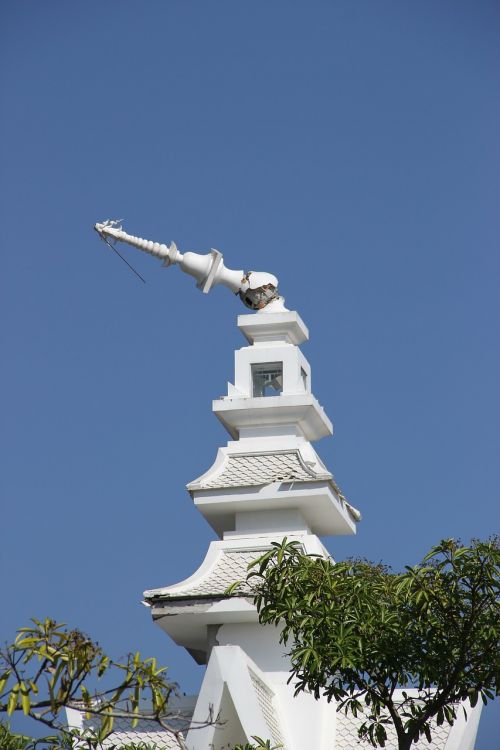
x,y
49,668
11,741
357,632
260,744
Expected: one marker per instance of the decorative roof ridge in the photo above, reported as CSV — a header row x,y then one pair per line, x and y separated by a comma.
x,y
316,474
354,512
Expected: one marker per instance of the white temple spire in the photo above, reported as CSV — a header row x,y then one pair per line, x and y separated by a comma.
x,y
256,289
265,484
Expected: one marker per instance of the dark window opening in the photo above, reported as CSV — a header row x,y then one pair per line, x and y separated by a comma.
x,y
267,379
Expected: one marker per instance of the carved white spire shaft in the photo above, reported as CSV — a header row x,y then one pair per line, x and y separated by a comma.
x,y
159,250
255,289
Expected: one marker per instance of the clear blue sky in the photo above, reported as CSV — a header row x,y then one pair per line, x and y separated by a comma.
x,y
352,148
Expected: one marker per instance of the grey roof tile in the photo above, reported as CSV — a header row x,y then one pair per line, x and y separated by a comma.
x,y
347,736
161,740
230,566
265,698
147,731
250,470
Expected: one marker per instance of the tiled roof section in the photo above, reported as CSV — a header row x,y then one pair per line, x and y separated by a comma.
x,y
147,732
265,699
263,468
347,736
161,740
231,566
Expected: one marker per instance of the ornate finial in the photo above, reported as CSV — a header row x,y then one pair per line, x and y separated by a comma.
x,y
255,289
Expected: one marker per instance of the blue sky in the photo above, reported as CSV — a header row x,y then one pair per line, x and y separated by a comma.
x,y
352,149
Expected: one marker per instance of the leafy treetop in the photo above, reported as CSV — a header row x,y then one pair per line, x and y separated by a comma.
x,y
357,632
49,668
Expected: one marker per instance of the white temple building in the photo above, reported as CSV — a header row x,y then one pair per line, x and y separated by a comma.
x,y
267,483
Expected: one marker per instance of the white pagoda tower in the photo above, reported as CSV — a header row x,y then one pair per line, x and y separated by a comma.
x,y
267,483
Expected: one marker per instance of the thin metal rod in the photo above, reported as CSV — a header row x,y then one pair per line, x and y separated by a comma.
x,y
124,259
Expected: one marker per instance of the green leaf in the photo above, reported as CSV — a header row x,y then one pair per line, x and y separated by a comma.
x,y
34,687
12,702
106,727
232,588
4,679
25,699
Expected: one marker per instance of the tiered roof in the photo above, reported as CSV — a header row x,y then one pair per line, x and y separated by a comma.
x,y
229,566
253,469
